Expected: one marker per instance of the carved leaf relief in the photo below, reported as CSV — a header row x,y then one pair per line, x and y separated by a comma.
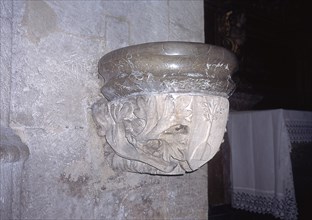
x,y
164,133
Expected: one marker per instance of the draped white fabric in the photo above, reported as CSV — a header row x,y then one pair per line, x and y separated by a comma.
x,y
261,169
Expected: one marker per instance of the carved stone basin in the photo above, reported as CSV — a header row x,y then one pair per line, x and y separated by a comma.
x,y
166,105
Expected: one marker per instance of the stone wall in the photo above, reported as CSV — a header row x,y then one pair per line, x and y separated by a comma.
x,y
49,81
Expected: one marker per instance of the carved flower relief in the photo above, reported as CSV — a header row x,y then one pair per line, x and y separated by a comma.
x,y
163,133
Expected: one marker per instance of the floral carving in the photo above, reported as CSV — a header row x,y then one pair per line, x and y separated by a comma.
x,y
160,133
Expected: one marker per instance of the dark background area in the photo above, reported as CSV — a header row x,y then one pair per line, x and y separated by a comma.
x,y
272,40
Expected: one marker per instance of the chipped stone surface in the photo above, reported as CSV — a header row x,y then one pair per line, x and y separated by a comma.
x,y
54,82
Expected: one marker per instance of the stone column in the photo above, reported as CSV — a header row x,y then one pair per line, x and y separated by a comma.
x,y
56,46
13,152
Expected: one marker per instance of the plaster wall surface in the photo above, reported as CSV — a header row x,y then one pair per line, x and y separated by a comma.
x,y
49,81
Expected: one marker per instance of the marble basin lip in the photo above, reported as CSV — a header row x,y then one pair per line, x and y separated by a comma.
x,y
168,67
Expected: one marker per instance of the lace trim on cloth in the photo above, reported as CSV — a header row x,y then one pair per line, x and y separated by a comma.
x,y
280,206
284,208
299,131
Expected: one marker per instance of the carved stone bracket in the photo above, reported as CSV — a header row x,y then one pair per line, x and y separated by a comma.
x,y
165,107
13,154
12,149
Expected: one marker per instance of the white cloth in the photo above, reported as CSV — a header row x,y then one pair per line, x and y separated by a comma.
x,y
261,171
